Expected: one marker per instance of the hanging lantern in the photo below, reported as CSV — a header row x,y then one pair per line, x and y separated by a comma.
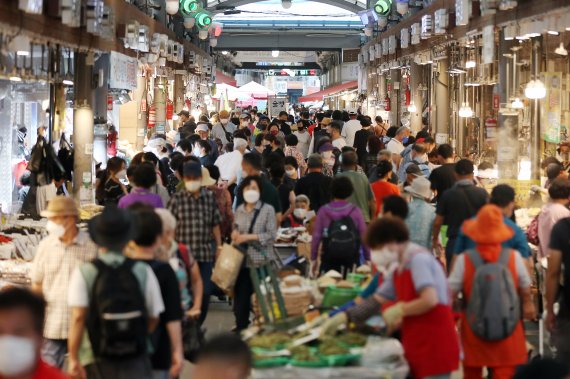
x,y
172,7
383,7
402,7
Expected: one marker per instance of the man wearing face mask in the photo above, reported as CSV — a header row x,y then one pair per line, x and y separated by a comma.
x,y
21,324
422,301
198,221
224,129
58,255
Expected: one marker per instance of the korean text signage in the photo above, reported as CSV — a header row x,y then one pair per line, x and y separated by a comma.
x,y
123,71
276,105
291,72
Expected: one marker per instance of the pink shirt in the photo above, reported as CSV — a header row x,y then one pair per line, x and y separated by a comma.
x,y
550,214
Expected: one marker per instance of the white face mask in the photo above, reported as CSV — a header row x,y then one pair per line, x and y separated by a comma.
x,y
327,155
122,174
224,120
193,185
244,123
251,196
54,229
197,152
300,213
384,258
17,355
291,173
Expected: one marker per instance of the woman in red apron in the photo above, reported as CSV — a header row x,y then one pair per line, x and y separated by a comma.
x,y
422,308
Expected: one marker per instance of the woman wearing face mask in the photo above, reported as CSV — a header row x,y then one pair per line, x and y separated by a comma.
x,y
144,179
291,171
274,130
326,151
202,151
292,150
110,189
300,213
254,233
303,137
419,288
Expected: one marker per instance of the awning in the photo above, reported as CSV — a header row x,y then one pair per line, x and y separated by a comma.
x,y
222,78
319,96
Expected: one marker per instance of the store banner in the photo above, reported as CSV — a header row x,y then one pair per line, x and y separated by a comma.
x,y
122,71
550,115
277,105
488,51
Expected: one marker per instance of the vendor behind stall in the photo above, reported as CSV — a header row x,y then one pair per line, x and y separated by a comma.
x,y
423,305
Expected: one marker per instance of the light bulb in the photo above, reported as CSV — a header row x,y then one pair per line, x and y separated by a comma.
x,y
535,89
172,7
470,64
412,107
286,4
189,22
465,111
517,104
561,50
275,53
203,34
402,7
213,42
225,52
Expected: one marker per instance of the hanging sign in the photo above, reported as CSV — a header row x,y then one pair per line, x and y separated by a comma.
x,y
550,111
123,71
109,102
277,104
488,51
491,129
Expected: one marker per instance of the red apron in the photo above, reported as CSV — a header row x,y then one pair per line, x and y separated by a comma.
x,y
430,341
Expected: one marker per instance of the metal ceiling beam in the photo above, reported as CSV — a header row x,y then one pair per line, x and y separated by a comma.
x,y
286,42
350,6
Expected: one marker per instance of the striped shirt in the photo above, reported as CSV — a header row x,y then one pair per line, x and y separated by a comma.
x,y
52,268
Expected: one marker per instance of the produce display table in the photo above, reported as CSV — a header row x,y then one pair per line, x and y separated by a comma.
x,y
391,371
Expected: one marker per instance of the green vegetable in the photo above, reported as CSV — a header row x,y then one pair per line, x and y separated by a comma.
x,y
269,341
331,347
352,339
303,354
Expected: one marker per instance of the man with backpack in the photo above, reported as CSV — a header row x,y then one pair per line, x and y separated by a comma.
x,y
416,154
339,226
496,290
167,357
115,303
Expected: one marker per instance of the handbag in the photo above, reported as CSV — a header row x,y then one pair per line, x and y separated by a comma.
x,y
230,261
193,338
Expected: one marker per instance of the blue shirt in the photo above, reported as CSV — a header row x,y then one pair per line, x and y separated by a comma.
x,y
518,242
420,220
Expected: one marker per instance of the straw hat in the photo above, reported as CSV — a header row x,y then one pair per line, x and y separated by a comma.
x,y
420,187
488,227
60,206
207,180
326,121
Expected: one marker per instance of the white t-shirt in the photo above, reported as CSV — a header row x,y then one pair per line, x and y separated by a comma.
x,y
395,146
349,131
229,165
339,143
78,295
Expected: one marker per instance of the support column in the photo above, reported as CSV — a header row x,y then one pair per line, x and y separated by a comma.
x,y
160,94
140,96
83,172
395,100
507,132
441,107
179,90
416,74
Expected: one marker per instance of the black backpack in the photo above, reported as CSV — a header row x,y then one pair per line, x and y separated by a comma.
x,y
117,320
341,242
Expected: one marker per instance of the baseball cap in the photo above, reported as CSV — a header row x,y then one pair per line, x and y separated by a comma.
x,y
244,115
202,128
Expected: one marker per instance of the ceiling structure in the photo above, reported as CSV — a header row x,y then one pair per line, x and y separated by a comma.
x,y
302,34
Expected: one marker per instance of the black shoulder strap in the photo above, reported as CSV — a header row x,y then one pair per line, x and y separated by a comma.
x,y
467,199
254,219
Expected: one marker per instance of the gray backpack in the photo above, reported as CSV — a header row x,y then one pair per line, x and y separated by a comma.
x,y
493,311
